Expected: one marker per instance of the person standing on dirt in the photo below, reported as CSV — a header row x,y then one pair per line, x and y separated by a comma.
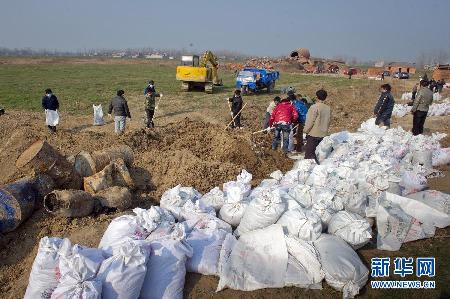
x,y
281,119
276,100
382,76
235,104
50,104
150,103
317,124
383,109
119,106
302,110
420,107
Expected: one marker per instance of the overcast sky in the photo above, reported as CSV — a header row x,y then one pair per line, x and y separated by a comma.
x,y
370,30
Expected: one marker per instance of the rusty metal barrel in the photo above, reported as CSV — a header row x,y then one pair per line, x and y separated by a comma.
x,y
41,157
88,164
18,200
69,203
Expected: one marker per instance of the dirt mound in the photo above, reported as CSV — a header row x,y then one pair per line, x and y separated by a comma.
x,y
191,153
201,155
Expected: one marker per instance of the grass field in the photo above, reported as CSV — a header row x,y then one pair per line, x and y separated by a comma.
x,y
79,85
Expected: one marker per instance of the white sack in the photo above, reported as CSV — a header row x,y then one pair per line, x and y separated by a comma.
x,y
51,117
153,218
257,260
80,281
232,213
122,275
304,269
419,231
303,194
421,210
166,268
441,157
435,199
174,199
412,182
350,227
93,256
214,198
393,225
262,211
98,115
119,229
206,245
44,275
423,157
301,223
344,270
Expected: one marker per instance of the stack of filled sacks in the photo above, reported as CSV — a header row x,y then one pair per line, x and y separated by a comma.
x,y
293,229
436,109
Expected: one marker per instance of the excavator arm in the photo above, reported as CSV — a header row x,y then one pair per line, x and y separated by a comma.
x,y
208,56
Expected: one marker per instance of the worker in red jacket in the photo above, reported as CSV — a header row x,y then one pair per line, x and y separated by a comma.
x,y
281,120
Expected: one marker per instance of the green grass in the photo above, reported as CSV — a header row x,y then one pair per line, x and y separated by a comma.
x,y
78,86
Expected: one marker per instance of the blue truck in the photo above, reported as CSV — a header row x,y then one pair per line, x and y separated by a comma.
x,y
254,80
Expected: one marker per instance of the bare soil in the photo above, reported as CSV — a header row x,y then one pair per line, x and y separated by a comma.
x,y
195,151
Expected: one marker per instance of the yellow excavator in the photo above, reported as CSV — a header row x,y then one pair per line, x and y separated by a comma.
x,y
195,72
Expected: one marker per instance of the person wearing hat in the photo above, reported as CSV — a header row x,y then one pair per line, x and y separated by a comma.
x,y
50,104
119,106
275,101
150,103
317,124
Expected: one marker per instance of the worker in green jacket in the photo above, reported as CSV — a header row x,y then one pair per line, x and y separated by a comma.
x,y
150,103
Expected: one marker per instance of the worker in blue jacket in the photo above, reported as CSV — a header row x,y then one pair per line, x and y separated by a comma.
x,y
302,110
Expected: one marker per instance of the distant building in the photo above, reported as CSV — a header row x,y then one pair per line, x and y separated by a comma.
x,y
154,56
405,67
442,71
118,55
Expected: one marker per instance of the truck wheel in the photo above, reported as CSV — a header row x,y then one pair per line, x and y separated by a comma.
x,y
271,87
185,86
244,90
208,87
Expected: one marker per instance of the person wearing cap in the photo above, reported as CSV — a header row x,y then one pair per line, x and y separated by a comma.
x,y
50,104
281,119
275,101
383,108
420,106
235,104
150,103
317,124
119,106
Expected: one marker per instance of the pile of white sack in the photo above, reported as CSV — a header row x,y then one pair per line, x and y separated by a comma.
x,y
436,109
407,96
294,229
